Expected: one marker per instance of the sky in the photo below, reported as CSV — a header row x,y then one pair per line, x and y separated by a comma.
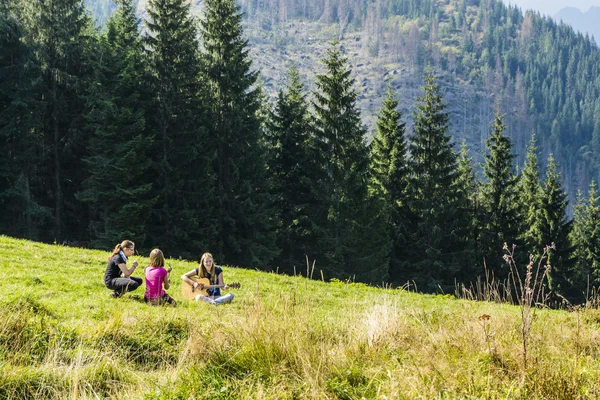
x,y
551,7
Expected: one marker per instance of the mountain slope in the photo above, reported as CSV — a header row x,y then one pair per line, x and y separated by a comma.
x,y
543,75
283,337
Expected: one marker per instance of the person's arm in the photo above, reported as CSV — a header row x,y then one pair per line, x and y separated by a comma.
x,y
221,282
186,278
167,281
128,271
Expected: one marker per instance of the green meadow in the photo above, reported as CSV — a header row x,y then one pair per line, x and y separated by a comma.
x,y
284,337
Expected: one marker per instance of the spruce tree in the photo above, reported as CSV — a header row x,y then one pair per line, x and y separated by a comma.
x,y
61,36
294,177
529,200
354,244
468,205
585,237
244,207
389,179
555,229
22,214
434,244
183,220
500,222
117,188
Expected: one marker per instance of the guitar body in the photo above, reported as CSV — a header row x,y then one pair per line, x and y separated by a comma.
x,y
189,293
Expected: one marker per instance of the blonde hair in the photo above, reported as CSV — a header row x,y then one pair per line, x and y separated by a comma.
x,y
157,259
203,272
125,244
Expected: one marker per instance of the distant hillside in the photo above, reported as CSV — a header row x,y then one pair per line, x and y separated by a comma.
x,y
583,22
543,75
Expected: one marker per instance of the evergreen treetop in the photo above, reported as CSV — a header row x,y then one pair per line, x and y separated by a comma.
x,y
556,229
245,218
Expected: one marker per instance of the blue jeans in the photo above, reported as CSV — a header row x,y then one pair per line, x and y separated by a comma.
x,y
227,298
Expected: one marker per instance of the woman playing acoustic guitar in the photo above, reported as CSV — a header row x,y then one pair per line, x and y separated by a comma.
x,y
214,273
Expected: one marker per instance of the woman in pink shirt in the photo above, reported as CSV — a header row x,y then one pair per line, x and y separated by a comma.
x,y
157,277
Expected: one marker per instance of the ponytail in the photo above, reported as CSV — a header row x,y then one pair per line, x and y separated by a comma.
x,y
120,246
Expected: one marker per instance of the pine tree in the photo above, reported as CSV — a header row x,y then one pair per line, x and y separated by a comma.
x,y
183,220
243,202
530,197
556,229
61,36
22,214
354,245
434,243
585,237
468,205
117,188
294,179
389,179
500,220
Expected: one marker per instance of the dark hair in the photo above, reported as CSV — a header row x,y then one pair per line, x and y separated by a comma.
x,y
125,244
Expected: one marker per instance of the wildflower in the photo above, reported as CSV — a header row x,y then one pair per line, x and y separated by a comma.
x,y
484,317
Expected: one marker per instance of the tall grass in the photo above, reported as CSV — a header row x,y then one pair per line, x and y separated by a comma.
x,y
282,338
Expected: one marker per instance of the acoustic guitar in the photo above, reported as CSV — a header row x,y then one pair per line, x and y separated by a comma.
x,y
189,292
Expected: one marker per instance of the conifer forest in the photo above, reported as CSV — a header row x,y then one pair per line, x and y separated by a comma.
x,y
160,129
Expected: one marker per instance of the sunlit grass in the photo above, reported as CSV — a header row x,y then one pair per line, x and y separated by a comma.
x,y
283,337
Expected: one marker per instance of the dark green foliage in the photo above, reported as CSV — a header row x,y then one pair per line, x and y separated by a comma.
x,y
530,202
182,221
585,236
354,243
295,180
469,214
117,188
22,214
555,229
389,179
243,206
500,222
434,244
60,35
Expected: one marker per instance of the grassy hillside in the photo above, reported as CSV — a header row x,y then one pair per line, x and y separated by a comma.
x,y
63,337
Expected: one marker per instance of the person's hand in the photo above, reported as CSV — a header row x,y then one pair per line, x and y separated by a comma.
x,y
135,264
169,269
226,287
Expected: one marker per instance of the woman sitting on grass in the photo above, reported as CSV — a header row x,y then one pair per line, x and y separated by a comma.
x,y
214,273
157,277
117,265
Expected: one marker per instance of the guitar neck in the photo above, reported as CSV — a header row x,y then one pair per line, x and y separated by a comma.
x,y
213,286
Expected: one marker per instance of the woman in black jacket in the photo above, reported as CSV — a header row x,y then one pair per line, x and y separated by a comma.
x,y
117,265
